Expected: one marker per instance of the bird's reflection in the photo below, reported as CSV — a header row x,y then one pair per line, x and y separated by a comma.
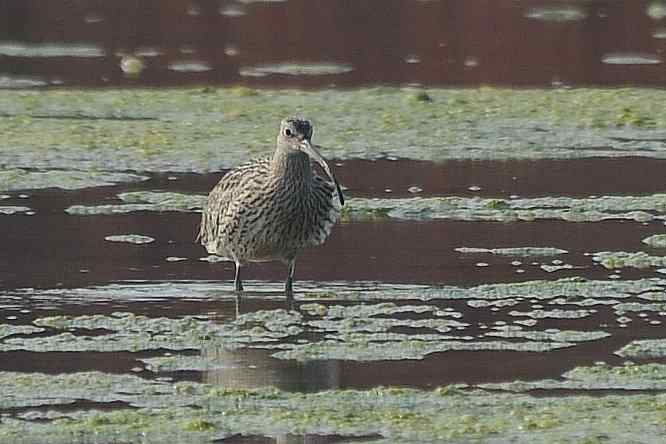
x,y
255,368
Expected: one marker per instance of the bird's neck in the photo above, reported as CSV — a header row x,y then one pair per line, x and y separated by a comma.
x,y
292,166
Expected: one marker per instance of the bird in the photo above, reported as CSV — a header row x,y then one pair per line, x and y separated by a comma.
x,y
271,208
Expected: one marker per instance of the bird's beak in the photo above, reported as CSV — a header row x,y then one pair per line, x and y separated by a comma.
x,y
311,151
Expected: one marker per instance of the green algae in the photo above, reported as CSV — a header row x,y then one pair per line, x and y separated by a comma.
x,y
636,208
144,201
556,314
364,348
643,349
556,335
21,179
369,329
130,239
187,130
599,377
210,412
141,333
569,290
656,241
9,330
514,251
621,259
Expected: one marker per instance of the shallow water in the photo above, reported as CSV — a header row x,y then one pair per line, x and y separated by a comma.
x,y
446,301
345,44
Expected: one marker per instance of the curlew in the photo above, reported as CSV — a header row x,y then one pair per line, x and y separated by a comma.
x,y
270,209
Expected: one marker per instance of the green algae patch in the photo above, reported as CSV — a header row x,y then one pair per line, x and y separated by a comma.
x,y
644,349
199,425
21,179
554,314
129,332
187,130
656,241
9,330
514,251
144,201
381,348
635,208
206,413
599,377
359,323
516,331
621,259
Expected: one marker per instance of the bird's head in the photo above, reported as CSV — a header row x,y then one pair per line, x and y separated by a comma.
x,y
293,132
295,136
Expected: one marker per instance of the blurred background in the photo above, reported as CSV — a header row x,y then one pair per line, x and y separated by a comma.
x,y
323,43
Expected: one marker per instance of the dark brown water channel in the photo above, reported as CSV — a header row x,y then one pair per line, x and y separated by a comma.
x,y
58,253
323,43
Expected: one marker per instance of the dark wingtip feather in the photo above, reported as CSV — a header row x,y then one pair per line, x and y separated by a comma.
x,y
340,195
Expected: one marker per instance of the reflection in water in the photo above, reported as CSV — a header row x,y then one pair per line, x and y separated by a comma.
x,y
237,40
249,369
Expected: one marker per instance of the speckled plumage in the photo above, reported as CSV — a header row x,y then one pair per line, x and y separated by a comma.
x,y
272,208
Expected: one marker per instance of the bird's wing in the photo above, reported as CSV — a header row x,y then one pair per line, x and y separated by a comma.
x,y
222,195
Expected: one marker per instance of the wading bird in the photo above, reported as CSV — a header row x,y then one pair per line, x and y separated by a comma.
x,y
270,209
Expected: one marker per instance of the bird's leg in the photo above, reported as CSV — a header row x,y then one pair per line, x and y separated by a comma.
x,y
238,302
238,284
289,283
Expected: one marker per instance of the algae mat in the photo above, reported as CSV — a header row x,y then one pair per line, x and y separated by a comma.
x,y
194,412
208,129
327,327
593,209
362,322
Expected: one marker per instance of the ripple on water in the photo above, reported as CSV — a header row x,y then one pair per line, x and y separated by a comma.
x,y
10,82
190,66
23,49
130,239
232,10
630,58
556,13
295,69
13,209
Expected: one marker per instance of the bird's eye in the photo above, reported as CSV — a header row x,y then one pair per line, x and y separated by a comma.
x,y
287,132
